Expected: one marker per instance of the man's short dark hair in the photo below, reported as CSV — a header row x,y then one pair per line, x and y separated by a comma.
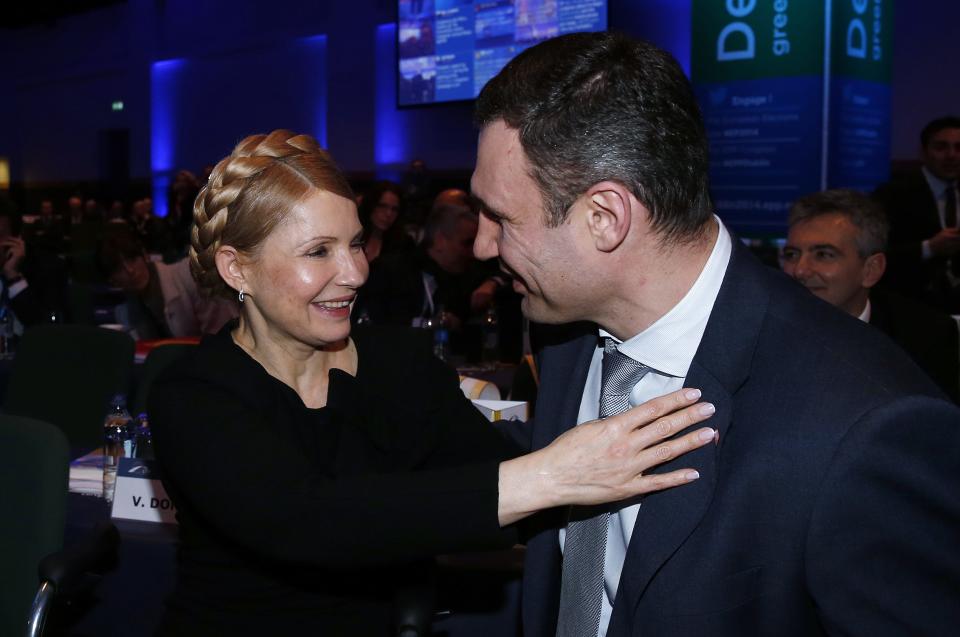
x,y
116,248
590,107
444,220
937,125
863,212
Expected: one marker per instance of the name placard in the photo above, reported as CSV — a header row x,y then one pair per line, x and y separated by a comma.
x,y
502,409
139,494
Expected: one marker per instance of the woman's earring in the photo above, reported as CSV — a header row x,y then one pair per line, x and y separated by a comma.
x,y
240,296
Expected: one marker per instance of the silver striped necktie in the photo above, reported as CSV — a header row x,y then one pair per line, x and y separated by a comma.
x,y
584,549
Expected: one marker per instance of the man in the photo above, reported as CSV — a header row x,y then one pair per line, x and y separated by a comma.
x,y
828,505
163,300
922,207
408,286
32,284
45,234
835,248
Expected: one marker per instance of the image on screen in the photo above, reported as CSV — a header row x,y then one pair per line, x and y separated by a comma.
x,y
448,49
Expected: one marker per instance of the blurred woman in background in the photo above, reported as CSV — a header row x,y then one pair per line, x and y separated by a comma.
x,y
380,211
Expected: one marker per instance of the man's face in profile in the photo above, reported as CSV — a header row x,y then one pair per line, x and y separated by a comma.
x,y
941,155
541,260
822,254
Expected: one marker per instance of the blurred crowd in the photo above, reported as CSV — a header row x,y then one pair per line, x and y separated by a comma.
x,y
84,260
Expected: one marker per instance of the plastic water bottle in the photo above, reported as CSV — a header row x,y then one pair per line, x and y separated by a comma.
x,y
7,336
117,442
144,439
490,350
441,334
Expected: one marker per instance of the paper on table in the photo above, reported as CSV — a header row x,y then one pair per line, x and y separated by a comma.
x,y
86,474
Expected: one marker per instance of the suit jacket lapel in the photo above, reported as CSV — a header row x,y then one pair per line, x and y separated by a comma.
x,y
564,369
719,369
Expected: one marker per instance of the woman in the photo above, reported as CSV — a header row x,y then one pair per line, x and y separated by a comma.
x,y
379,213
310,467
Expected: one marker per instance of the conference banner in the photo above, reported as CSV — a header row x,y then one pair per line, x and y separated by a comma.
x,y
766,74
859,113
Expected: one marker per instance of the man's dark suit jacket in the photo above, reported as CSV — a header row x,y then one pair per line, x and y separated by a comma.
x,y
914,218
929,337
46,289
394,294
829,505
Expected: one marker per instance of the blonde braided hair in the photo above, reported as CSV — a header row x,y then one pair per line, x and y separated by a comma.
x,y
250,192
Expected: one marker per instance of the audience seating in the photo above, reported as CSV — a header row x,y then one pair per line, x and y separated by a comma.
x,y
66,374
33,480
159,358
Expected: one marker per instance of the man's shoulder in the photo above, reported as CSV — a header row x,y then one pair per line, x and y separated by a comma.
x,y
818,344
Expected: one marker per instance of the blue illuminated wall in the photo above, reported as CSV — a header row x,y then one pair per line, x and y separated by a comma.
x,y
202,106
165,82
391,147
61,78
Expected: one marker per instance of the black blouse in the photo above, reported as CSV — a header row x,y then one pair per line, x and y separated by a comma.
x,y
304,519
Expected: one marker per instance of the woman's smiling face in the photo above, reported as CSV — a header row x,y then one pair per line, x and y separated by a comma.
x,y
304,278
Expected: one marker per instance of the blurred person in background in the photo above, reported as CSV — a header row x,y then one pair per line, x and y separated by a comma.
x,y
406,288
93,211
75,212
162,300
342,460
183,192
835,248
924,254
381,217
116,213
152,232
46,233
33,284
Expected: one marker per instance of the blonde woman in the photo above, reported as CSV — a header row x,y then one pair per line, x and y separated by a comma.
x,y
309,465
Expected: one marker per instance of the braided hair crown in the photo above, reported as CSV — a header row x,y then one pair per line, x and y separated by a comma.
x,y
250,191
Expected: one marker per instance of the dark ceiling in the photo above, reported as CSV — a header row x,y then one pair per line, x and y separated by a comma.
x,y
28,13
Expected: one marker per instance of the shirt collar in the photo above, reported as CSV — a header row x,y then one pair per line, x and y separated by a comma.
x,y
668,346
865,314
937,186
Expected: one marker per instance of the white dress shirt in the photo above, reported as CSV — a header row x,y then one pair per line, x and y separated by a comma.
x,y
667,347
938,187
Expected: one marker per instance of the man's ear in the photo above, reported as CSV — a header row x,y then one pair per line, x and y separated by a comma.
x,y
873,269
610,209
230,266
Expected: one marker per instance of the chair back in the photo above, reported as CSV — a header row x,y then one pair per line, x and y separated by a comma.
x,y
66,374
159,358
33,497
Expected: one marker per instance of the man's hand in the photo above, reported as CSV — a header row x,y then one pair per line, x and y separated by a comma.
x,y
945,243
482,297
605,460
13,250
